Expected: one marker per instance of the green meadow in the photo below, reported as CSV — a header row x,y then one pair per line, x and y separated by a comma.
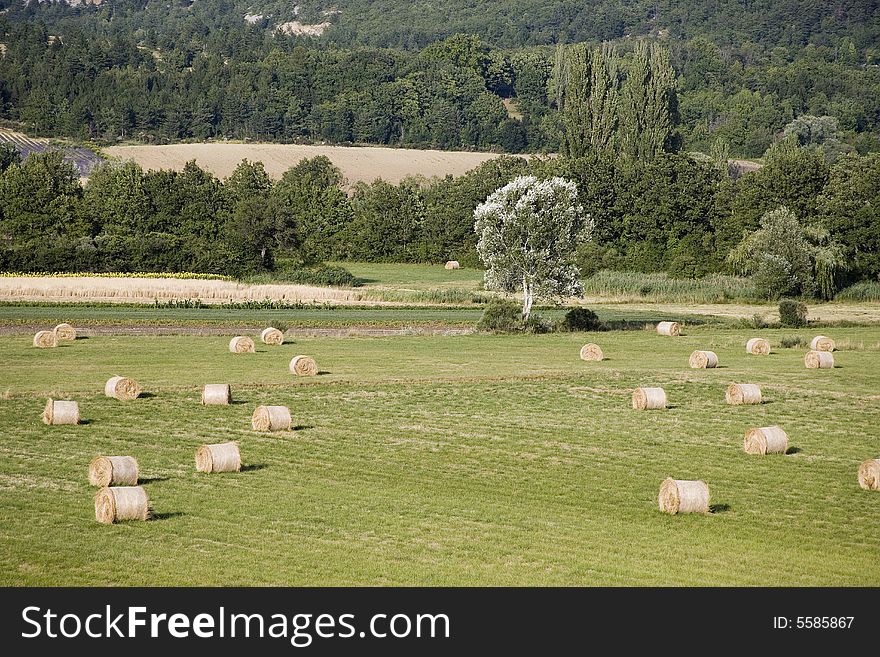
x,y
444,460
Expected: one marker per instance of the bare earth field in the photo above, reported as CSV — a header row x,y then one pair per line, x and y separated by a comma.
x,y
358,164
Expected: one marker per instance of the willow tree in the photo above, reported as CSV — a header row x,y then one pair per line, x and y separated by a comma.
x,y
527,233
785,257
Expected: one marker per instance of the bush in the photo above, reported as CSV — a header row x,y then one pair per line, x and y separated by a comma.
x,y
580,319
791,342
792,313
321,275
501,316
538,324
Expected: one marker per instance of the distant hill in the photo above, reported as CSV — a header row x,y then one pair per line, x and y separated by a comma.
x,y
413,24
510,23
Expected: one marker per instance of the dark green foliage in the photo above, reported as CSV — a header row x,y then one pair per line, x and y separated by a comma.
x,y
793,342
322,275
792,313
160,72
580,319
537,324
502,316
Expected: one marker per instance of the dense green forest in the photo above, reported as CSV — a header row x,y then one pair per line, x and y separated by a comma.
x,y
401,73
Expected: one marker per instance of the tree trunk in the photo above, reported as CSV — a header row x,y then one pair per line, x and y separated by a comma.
x,y
527,300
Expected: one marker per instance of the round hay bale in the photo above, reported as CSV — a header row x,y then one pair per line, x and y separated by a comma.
x,y
743,393
869,474
272,336
701,360
222,457
61,412
648,398
758,347
822,343
271,418
64,331
122,388
216,394
452,264
241,344
303,366
45,339
815,360
682,496
591,351
669,328
765,440
121,503
113,471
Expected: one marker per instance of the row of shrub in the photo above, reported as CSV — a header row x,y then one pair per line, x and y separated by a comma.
x,y
505,316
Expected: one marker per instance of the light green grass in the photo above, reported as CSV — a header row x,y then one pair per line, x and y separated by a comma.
x,y
444,461
414,276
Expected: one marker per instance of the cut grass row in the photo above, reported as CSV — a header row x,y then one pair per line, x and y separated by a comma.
x,y
444,460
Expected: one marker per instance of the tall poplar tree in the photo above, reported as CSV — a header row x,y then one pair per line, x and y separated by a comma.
x,y
648,105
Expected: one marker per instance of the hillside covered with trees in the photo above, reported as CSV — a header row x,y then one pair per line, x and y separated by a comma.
x,y
448,75
643,128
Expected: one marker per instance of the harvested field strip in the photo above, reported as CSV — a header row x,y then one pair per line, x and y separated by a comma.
x,y
358,164
146,290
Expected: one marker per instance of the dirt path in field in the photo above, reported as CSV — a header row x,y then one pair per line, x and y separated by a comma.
x,y
220,330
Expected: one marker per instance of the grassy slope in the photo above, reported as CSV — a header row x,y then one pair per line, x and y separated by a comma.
x,y
454,460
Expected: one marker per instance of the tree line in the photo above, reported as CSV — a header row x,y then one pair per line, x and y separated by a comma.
x,y
671,213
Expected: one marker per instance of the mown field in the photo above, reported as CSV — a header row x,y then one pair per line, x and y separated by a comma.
x,y
474,459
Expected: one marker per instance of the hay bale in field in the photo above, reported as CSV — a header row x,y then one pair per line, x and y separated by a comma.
x,y
271,418
869,474
222,457
452,264
682,496
61,412
815,360
700,360
822,343
303,366
113,471
241,344
765,440
122,503
591,351
758,347
669,328
218,394
272,336
64,331
743,393
45,339
122,388
648,398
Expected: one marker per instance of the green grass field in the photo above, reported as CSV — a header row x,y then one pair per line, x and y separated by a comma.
x,y
473,459
414,276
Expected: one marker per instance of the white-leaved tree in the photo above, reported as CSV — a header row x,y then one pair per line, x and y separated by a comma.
x,y
527,235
